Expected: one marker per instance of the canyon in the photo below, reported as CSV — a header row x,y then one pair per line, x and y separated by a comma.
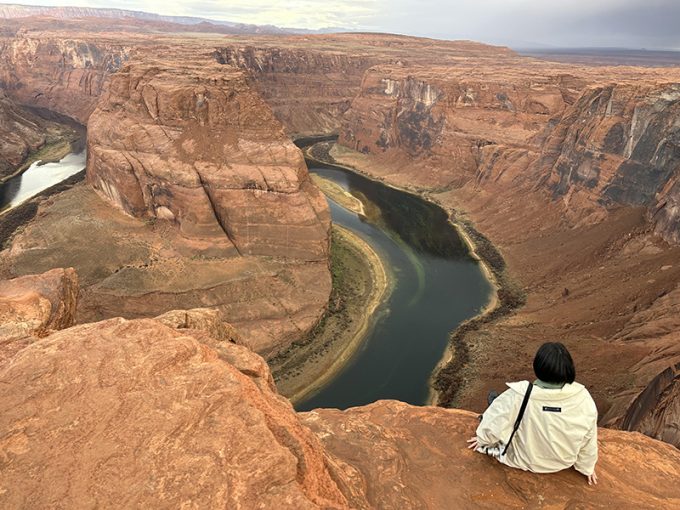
x,y
570,171
196,199
228,216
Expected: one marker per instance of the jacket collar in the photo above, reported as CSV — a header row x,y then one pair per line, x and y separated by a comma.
x,y
547,385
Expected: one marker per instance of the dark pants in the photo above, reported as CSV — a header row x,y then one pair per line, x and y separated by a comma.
x,y
493,395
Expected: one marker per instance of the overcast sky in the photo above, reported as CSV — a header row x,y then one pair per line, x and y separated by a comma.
x,y
623,23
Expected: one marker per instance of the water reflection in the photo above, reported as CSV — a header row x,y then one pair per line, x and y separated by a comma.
x,y
38,178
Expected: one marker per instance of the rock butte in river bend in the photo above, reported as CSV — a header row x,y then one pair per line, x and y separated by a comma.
x,y
195,146
570,170
230,218
168,412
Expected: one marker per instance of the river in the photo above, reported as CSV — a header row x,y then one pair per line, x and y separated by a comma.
x,y
437,285
39,177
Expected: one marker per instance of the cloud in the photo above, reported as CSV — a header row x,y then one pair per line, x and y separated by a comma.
x,y
312,14
630,23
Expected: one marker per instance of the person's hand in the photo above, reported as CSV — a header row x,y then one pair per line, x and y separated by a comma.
x,y
472,443
592,479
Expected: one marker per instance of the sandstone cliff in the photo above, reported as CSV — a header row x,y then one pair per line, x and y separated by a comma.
x,y
619,145
225,213
594,146
310,81
413,457
226,219
444,120
308,90
651,403
135,413
59,73
561,166
195,146
20,134
595,167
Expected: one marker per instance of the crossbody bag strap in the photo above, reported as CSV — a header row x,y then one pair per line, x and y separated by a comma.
x,y
519,416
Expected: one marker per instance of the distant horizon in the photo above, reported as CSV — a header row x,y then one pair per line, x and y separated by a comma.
x,y
310,15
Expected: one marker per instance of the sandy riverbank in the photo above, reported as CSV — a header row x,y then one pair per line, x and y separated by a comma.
x,y
360,284
336,193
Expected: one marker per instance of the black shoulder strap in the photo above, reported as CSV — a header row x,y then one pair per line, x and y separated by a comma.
x,y
520,415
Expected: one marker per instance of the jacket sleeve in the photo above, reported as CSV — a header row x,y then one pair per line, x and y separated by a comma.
x,y
587,455
497,420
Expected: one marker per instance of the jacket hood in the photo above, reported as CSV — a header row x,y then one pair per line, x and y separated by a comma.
x,y
540,394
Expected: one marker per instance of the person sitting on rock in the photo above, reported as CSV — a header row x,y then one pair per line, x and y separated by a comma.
x,y
544,426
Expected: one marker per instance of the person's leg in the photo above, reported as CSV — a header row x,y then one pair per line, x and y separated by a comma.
x,y
493,394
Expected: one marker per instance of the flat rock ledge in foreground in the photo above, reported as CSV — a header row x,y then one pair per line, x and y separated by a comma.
x,y
135,413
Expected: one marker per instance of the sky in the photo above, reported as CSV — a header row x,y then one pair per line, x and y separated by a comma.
x,y
650,24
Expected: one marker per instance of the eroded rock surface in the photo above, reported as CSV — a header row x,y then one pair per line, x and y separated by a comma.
x,y
206,203
134,413
33,306
619,145
310,81
137,269
20,133
595,166
411,457
651,403
308,90
64,74
126,413
204,319
568,169
194,145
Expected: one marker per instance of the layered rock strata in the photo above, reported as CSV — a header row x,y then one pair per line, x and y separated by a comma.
x,y
136,269
308,90
205,204
561,166
618,144
20,134
595,168
310,81
196,147
63,74
444,120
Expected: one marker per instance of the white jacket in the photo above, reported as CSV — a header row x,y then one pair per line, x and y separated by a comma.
x,y
559,429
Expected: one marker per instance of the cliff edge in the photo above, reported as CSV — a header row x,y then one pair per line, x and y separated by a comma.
x,y
124,413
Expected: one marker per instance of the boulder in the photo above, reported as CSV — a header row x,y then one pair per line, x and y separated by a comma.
x,y
35,305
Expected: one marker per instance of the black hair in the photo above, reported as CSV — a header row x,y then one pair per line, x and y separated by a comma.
x,y
553,364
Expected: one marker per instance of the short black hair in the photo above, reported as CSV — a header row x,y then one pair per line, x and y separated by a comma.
x,y
553,364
